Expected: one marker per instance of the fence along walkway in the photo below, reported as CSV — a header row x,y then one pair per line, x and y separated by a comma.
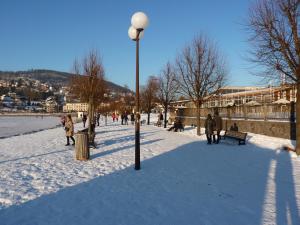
x,y
280,112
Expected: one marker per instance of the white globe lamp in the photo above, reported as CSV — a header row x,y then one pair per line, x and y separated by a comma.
x,y
139,21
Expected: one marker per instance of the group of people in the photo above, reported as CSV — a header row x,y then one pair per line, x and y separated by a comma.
x,y
177,125
96,119
68,125
213,127
234,127
124,117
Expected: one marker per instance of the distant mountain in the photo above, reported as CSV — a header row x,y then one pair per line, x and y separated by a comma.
x,y
52,77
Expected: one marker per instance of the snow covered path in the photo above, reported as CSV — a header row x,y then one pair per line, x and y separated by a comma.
x,y
182,180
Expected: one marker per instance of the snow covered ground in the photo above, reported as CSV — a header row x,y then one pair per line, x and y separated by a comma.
x,y
182,181
17,125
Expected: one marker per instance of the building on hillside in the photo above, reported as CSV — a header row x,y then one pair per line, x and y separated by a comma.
x,y
7,101
12,94
21,101
75,107
51,105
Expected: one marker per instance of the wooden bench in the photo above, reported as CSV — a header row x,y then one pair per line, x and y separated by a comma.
x,y
240,136
177,127
158,123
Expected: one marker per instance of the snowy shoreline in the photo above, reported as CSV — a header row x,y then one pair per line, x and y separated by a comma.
x,y
29,132
31,114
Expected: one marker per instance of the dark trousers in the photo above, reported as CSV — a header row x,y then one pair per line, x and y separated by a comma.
x,y
208,136
68,139
216,137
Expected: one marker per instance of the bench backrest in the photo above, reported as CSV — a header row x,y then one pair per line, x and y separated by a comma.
x,y
236,134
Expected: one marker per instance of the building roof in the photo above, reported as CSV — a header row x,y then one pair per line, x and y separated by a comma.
x,y
240,87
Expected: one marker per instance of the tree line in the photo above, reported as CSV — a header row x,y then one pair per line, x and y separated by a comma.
x,y
200,69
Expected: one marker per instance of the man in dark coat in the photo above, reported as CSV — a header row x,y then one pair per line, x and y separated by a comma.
x,y
132,118
209,126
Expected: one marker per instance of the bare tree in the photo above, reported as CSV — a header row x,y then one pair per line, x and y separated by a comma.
x,y
149,95
89,85
274,34
168,88
200,71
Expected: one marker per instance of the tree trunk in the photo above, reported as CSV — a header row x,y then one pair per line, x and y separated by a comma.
x,y
91,131
166,111
298,119
82,151
90,117
148,122
198,120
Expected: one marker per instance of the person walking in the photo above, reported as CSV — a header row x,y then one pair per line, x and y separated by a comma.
x,y
132,118
69,128
209,125
217,128
98,119
122,118
113,117
84,119
126,118
161,118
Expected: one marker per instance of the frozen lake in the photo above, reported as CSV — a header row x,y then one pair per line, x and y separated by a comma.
x,y
17,125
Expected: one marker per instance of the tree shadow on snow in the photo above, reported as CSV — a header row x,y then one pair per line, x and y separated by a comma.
x,y
192,184
35,156
101,154
286,202
110,131
122,139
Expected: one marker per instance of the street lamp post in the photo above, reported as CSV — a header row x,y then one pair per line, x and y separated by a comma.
x,y
139,21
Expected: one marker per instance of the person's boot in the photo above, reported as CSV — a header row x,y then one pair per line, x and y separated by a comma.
x,y
67,144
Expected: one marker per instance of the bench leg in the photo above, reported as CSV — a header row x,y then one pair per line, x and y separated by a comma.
x,y
242,142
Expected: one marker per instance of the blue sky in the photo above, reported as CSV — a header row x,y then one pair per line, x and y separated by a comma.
x,y
40,34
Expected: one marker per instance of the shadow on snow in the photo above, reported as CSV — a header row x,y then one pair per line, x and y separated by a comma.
x,y
191,184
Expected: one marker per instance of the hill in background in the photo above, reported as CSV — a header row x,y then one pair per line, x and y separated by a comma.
x,y
52,77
